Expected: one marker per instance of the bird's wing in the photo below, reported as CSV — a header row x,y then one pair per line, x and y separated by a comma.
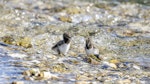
x,y
58,44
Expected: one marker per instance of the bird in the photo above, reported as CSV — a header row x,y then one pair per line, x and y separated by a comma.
x,y
63,46
90,48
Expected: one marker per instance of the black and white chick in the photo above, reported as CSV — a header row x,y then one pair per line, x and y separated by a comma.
x,y
90,49
63,46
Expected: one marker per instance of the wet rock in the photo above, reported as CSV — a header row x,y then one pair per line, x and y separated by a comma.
x,y
109,65
18,82
82,82
110,30
126,33
136,67
75,62
56,9
21,41
72,53
113,65
104,66
124,81
84,77
125,10
145,80
60,67
102,6
51,56
17,55
27,73
127,66
36,74
32,72
65,18
24,41
8,39
94,59
140,27
29,78
41,5
102,76
45,75
74,10
115,61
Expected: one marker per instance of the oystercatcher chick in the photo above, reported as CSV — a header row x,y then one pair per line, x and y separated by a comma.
x,y
62,47
92,52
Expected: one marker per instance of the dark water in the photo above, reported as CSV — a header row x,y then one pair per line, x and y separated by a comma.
x,y
8,71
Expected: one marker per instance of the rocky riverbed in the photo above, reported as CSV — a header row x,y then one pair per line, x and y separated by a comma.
x,y
29,28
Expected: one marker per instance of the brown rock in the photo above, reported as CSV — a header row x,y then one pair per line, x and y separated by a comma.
x,y
65,18
74,10
125,81
18,82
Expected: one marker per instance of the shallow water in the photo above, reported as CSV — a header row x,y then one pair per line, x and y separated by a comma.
x,y
8,71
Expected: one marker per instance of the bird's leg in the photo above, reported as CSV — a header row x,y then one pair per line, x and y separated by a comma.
x,y
64,54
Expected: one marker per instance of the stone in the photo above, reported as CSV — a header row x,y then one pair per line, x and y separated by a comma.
x,y
8,39
82,82
24,41
115,61
113,65
17,55
74,10
136,67
18,82
65,19
60,67
32,72
84,77
124,81
45,75
71,53
92,61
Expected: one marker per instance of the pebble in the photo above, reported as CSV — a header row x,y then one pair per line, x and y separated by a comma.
x,y
18,82
74,10
32,72
136,67
29,78
47,75
115,61
113,65
36,74
17,55
84,77
72,53
65,19
107,65
82,82
93,61
125,81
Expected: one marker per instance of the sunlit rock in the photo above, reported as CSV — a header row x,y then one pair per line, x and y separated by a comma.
x,y
65,18
60,68
8,39
24,41
74,10
124,81
18,82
